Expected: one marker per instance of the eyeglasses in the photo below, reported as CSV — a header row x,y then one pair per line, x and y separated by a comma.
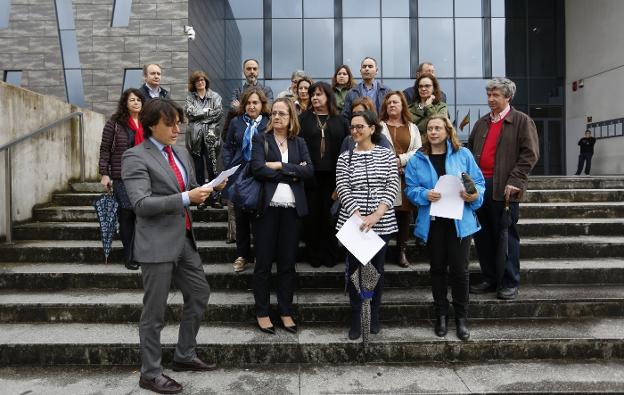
x,y
424,86
359,128
279,114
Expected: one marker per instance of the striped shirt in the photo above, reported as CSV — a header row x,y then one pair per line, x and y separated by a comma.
x,y
371,179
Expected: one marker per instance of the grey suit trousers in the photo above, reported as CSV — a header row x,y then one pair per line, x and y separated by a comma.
x,y
189,277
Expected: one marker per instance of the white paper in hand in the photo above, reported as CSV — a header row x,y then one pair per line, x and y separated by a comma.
x,y
363,245
451,204
221,177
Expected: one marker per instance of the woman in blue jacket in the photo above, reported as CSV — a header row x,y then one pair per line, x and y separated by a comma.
x,y
448,240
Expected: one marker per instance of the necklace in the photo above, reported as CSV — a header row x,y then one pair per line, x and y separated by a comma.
x,y
322,127
279,142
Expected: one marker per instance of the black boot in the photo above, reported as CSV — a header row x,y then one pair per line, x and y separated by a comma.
x,y
441,325
462,328
356,325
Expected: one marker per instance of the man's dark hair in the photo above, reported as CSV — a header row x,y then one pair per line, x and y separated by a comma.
x,y
121,114
158,108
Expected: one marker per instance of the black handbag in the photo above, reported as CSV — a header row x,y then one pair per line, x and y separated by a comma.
x,y
247,191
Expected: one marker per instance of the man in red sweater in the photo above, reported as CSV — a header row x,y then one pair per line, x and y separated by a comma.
x,y
506,147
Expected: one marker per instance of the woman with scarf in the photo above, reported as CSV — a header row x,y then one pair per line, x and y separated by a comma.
x,y
204,111
122,131
252,119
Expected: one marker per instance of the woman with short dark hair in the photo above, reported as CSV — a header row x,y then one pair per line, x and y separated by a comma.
x,y
122,131
251,120
367,183
204,112
323,130
427,101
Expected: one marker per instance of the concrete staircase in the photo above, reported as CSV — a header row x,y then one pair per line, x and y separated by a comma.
x,y
60,305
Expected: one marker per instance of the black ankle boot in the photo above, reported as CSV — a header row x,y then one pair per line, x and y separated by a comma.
x,y
441,325
356,325
462,328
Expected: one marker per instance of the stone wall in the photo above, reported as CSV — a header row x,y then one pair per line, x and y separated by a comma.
x,y
155,34
46,163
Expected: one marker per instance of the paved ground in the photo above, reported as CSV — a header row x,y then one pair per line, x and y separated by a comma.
x,y
514,377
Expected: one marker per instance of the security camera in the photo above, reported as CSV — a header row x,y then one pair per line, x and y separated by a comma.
x,y
190,32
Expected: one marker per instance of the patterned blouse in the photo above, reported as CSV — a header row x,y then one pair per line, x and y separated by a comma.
x,y
371,178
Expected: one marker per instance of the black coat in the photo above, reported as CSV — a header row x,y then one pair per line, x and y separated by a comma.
x,y
298,168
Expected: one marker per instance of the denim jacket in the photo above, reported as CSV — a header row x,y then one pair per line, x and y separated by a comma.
x,y
420,177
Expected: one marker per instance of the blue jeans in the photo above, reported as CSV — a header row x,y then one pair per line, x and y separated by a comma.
x,y
486,240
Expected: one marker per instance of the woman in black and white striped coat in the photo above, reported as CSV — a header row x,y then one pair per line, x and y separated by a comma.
x,y
367,183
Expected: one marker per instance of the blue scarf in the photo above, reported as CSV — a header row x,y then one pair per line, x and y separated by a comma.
x,y
252,129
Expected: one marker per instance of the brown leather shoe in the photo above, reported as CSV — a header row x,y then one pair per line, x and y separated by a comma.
x,y
402,258
162,384
196,365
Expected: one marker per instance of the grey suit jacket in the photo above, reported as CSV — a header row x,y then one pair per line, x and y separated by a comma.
x,y
155,195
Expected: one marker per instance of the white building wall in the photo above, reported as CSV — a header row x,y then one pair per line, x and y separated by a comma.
x,y
595,54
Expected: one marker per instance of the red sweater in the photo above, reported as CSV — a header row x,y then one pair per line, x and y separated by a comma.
x,y
486,163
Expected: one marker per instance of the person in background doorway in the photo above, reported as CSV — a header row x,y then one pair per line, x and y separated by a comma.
x,y
587,151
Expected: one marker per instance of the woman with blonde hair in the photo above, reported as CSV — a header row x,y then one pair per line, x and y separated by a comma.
x,y
280,160
448,240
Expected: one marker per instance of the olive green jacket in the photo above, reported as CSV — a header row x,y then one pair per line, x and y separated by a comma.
x,y
420,116
340,93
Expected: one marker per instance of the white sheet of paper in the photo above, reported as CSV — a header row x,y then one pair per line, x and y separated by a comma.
x,y
450,205
363,245
222,176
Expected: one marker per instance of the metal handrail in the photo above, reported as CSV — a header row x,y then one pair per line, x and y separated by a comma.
x,y
8,185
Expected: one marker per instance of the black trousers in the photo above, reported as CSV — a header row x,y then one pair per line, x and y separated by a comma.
x,y
126,219
318,231
277,240
244,227
210,155
584,159
448,256
377,261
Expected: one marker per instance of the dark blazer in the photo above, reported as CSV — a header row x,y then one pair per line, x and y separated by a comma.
x,y
232,149
155,195
164,94
298,168
110,156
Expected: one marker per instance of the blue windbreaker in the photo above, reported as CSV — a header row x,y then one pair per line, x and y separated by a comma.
x,y
420,177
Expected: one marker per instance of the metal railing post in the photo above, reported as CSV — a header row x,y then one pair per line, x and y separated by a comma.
x,y
82,152
8,204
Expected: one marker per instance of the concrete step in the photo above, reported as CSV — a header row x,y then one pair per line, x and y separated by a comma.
x,y
572,210
91,231
531,227
573,195
561,377
221,276
527,210
90,251
312,306
87,214
575,182
235,345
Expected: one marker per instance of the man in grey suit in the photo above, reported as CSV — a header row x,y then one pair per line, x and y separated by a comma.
x,y
161,185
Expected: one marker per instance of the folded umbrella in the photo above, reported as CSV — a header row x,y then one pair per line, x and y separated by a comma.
x,y
106,209
365,279
502,250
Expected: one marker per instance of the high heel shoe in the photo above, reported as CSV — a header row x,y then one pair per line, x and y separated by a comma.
x,y
269,329
292,328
